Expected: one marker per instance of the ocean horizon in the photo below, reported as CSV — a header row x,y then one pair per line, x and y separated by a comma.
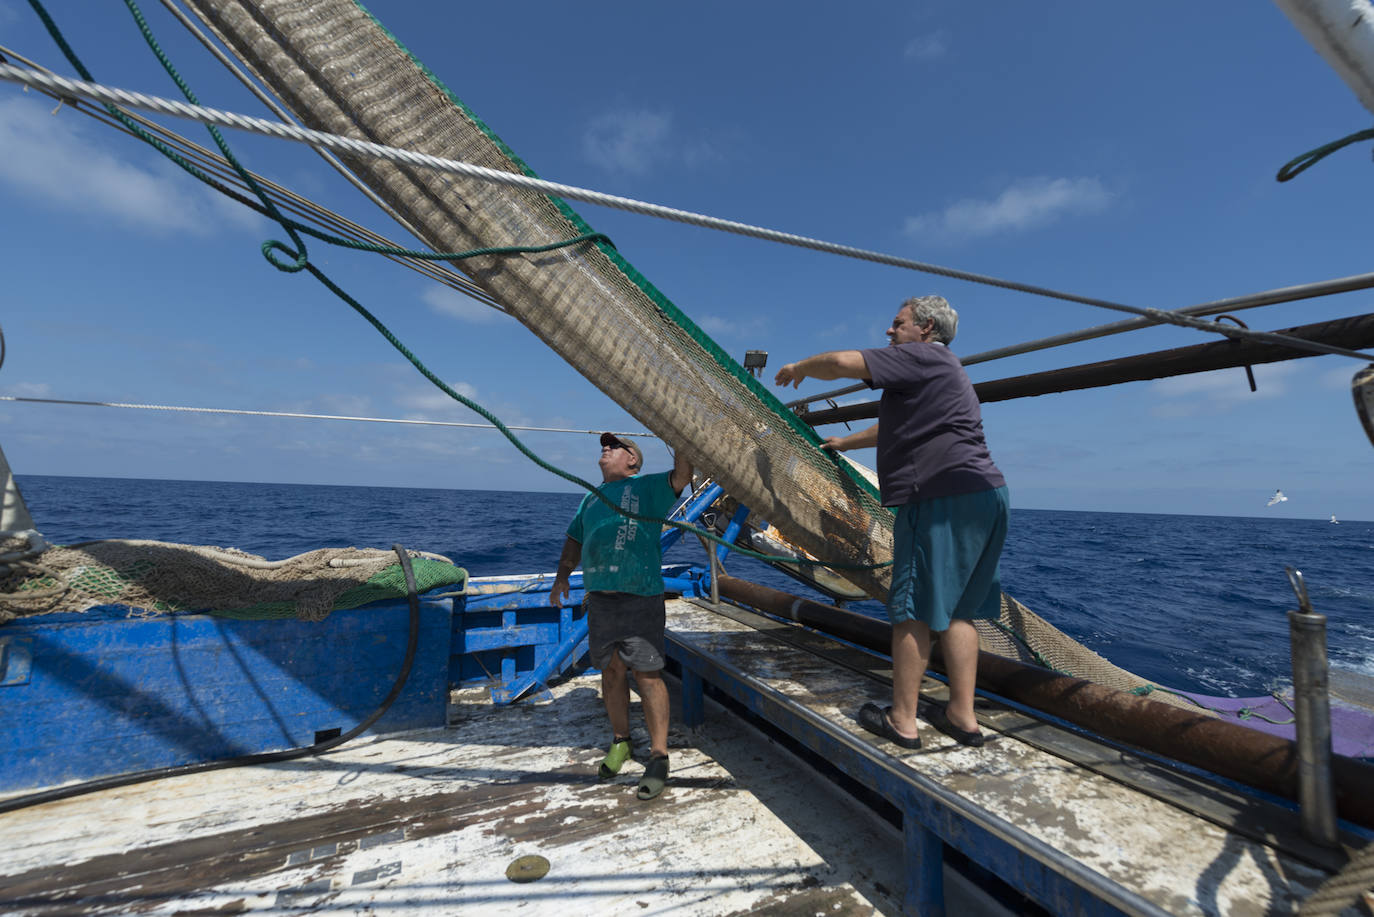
x,y
1195,603
21,477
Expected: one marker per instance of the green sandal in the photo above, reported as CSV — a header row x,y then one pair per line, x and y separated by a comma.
x,y
655,776
615,758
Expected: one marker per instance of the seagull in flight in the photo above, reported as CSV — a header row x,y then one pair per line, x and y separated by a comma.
x,y
1278,497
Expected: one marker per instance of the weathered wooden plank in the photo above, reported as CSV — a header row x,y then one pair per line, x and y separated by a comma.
x,y
1256,818
427,823
1144,844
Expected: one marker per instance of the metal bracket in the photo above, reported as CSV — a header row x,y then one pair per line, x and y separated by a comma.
x,y
1299,589
1249,373
834,405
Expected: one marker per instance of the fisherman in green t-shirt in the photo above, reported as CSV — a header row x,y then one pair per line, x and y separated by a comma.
x,y
622,573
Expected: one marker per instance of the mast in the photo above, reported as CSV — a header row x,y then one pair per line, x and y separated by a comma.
x,y
14,515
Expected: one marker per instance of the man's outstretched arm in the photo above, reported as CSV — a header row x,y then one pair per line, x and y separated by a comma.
x,y
863,439
835,364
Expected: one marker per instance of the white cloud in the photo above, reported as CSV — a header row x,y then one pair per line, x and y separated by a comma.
x,y
720,327
702,153
29,390
430,400
52,158
927,47
635,141
1027,204
1340,375
628,141
448,301
343,404
1219,390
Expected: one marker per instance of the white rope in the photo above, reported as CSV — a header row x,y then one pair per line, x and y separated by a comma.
x,y
192,410
262,96
64,86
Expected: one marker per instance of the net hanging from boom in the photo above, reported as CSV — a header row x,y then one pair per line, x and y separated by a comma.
x,y
338,70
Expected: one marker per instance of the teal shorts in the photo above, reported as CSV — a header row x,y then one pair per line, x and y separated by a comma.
x,y
946,555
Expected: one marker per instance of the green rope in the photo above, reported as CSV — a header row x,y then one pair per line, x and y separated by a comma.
x,y
1244,713
1295,167
1147,689
299,261
552,469
1035,653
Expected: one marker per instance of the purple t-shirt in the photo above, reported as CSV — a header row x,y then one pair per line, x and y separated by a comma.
x,y
930,427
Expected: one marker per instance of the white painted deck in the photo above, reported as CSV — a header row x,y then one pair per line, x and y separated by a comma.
x,y
428,823
1148,841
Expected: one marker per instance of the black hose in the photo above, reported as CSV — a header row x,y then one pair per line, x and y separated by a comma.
x,y
118,780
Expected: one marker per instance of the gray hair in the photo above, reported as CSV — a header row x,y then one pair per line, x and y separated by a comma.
x,y
938,309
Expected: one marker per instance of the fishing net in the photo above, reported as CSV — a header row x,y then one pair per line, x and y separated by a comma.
x,y
156,576
340,71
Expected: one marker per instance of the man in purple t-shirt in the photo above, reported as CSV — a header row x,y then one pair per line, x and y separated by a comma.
x,y
951,501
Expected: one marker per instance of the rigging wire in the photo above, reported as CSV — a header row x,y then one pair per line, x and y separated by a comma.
x,y
1232,304
294,258
182,409
1236,303
266,99
306,208
283,197
87,89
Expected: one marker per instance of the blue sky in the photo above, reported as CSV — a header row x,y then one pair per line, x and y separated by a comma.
x,y
1123,151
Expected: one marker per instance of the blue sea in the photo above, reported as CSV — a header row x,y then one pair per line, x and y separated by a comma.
x,y
1195,603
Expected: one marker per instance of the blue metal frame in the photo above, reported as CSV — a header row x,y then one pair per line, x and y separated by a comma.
x,y
531,642
518,639
732,530
691,512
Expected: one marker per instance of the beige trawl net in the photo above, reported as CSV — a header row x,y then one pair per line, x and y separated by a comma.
x,y
156,576
339,71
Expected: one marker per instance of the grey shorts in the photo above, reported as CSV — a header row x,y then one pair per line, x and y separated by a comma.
x,y
628,625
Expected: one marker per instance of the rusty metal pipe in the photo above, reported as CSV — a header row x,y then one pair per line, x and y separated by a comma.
x,y
1248,756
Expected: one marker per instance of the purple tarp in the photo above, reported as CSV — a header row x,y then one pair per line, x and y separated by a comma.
x,y
1352,728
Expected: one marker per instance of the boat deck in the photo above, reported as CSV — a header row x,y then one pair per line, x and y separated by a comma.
x,y
1075,824
429,822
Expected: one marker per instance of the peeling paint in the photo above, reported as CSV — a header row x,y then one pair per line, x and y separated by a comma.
x,y
427,822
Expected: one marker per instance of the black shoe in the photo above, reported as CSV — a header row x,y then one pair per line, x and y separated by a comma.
x,y
964,737
654,779
877,721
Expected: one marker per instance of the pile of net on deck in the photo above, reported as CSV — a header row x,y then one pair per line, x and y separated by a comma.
x,y
339,70
155,576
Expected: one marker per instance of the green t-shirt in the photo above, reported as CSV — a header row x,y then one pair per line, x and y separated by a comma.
x,y
620,554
